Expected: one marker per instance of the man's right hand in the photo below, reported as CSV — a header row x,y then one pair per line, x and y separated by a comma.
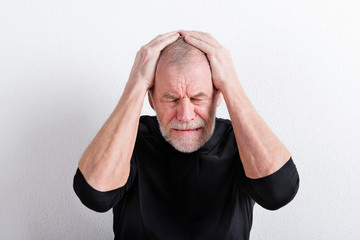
x,y
105,163
143,69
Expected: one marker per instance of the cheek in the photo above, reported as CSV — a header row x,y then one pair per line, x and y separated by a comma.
x,y
166,114
204,112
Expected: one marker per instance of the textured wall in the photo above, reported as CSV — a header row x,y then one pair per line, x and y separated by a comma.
x,y
64,64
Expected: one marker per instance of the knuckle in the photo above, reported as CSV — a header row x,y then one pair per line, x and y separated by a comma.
x,y
145,50
222,48
217,51
207,34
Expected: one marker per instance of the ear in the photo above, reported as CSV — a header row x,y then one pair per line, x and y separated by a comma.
x,y
219,99
150,101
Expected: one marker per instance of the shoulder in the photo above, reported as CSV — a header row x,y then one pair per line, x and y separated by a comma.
x,y
224,122
148,125
223,126
222,137
149,138
148,120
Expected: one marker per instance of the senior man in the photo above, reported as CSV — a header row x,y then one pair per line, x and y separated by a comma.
x,y
184,174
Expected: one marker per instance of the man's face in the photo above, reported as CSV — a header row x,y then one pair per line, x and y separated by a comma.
x,y
185,101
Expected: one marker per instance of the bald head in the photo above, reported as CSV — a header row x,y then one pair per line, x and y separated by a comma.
x,y
181,54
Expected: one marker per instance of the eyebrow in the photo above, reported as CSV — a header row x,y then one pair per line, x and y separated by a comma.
x,y
170,95
200,94
173,96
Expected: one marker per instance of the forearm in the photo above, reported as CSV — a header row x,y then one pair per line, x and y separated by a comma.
x,y
105,163
261,152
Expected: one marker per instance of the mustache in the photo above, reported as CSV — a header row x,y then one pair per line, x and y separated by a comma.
x,y
190,125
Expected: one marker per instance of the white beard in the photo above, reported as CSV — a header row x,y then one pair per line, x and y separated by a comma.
x,y
188,144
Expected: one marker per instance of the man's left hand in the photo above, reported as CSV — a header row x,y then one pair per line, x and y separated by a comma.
x,y
222,67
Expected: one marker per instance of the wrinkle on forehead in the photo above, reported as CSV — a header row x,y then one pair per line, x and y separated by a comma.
x,y
177,88
183,84
180,88
195,77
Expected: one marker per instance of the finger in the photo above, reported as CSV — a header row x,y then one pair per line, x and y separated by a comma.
x,y
160,42
205,37
203,46
162,37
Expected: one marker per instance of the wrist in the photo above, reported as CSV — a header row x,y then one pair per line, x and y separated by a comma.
x,y
134,91
229,85
138,85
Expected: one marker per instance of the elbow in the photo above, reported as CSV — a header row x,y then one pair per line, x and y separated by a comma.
x,y
92,198
281,196
92,202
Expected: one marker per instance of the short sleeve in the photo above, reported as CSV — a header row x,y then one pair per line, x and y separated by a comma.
x,y
276,190
97,200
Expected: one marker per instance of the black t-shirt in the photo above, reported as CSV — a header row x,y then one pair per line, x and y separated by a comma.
x,y
199,195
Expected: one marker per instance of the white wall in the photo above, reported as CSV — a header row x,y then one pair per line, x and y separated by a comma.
x,y
64,64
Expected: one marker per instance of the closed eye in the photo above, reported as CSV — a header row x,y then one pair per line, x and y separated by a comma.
x,y
199,100
196,99
171,99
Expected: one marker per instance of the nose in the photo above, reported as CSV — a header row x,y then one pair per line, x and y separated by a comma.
x,y
185,111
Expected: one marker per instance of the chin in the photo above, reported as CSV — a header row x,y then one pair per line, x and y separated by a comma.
x,y
187,144
185,148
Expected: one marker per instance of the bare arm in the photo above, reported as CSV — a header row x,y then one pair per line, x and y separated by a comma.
x,y
105,163
260,150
